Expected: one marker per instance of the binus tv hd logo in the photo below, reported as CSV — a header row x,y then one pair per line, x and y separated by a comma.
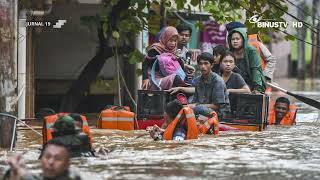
x,y
271,23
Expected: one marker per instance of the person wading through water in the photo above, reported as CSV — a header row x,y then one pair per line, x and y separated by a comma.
x,y
65,133
180,124
55,163
283,113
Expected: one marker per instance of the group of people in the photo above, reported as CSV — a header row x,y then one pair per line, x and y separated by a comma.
x,y
243,67
226,71
68,140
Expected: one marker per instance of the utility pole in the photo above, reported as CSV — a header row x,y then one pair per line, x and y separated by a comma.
x,y
314,37
8,64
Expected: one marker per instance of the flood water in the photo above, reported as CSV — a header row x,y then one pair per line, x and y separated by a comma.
x,y
276,153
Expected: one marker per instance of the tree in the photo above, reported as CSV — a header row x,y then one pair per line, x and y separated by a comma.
x,y
120,21
301,46
8,76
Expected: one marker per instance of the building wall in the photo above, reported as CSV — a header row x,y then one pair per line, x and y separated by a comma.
x,y
282,49
63,53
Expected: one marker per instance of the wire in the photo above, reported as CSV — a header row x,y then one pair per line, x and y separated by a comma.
x,y
300,39
299,8
305,23
285,31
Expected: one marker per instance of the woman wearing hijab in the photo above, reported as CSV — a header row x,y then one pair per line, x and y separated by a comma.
x,y
167,44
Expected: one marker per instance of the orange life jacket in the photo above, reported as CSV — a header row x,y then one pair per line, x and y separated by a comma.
x,y
116,117
288,120
213,121
50,120
192,130
254,40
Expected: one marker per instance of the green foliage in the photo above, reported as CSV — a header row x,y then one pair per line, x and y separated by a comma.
x,y
289,37
139,72
135,57
128,18
134,18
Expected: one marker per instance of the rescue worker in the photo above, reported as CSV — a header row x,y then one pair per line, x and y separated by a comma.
x,y
283,113
65,133
55,163
171,111
176,127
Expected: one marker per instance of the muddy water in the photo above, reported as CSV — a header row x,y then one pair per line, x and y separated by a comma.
x,y
277,153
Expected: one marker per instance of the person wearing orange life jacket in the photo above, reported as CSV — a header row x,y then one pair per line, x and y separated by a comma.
x,y
180,124
81,124
51,119
268,61
283,113
66,133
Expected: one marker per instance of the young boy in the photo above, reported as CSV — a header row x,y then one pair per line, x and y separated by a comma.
x,y
218,51
210,90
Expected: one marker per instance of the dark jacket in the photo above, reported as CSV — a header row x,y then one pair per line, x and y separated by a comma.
x,y
78,144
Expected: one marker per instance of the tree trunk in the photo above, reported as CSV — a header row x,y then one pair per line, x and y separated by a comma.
x,y
301,46
314,37
80,87
8,64
318,51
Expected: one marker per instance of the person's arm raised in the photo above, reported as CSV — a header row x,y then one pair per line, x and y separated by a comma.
x,y
243,90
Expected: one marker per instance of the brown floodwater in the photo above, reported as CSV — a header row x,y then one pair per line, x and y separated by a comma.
x,y
276,153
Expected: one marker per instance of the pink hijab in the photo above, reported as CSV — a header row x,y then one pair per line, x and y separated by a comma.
x,y
165,36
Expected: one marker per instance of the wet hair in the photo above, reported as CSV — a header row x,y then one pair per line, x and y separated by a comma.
x,y
184,27
227,53
283,100
173,108
218,50
205,56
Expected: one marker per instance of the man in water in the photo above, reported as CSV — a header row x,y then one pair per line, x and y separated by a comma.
x,y
283,113
55,163
172,110
65,132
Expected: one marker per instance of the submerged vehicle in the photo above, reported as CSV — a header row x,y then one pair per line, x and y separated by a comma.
x,y
250,112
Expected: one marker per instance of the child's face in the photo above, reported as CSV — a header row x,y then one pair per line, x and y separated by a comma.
x,y
172,43
216,59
